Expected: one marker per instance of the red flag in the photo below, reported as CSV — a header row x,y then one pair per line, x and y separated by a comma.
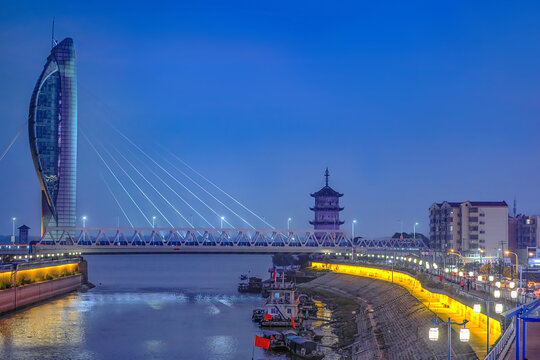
x,y
262,342
272,338
267,317
293,324
274,275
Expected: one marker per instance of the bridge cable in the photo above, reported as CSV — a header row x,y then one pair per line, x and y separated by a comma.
x,y
171,176
13,141
115,199
206,191
135,183
178,195
153,187
223,191
112,173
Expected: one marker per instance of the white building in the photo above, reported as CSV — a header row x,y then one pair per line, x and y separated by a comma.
x,y
470,227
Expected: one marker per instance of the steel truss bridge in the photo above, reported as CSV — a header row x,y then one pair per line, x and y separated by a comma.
x,y
209,240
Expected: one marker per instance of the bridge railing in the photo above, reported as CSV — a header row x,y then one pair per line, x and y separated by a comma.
x,y
194,237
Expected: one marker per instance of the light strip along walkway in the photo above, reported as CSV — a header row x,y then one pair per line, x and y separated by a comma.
x,y
441,304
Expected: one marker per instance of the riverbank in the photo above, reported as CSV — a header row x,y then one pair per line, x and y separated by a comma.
x,y
388,322
24,284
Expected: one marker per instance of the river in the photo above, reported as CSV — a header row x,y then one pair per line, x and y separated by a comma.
x,y
146,307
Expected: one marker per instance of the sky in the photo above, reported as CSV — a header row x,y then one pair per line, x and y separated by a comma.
x,y
406,103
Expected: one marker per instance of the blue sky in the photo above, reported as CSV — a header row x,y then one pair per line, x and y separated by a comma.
x,y
407,103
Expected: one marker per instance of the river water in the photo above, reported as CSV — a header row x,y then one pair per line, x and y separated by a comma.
x,y
146,307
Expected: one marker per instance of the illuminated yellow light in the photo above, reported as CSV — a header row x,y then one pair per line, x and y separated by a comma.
x,y
446,270
415,261
471,273
498,284
461,273
480,277
491,278
514,294
477,308
498,308
497,294
512,285
435,266
451,307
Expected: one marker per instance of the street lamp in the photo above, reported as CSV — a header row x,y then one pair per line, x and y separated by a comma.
x,y
84,226
463,335
352,239
13,232
153,221
289,223
414,230
476,309
222,218
507,253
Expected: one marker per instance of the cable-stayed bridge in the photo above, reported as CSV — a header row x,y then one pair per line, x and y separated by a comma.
x,y
148,187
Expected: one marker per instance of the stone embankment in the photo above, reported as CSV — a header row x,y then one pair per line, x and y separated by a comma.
x,y
31,283
390,322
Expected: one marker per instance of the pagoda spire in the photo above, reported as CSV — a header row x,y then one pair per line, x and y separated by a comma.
x,y
326,175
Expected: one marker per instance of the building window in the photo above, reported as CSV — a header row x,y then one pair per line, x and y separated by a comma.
x,y
473,219
482,215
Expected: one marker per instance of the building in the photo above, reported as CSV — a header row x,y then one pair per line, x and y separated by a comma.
x,y
523,235
471,227
326,208
23,234
52,128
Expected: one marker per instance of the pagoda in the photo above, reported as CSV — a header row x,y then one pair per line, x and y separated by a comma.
x,y
326,208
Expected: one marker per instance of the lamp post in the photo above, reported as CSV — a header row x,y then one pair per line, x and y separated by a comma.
x,y
289,224
13,232
414,230
498,309
222,218
153,221
508,254
464,334
457,253
84,226
352,239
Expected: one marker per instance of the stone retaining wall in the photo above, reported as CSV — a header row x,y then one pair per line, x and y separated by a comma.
x,y
15,298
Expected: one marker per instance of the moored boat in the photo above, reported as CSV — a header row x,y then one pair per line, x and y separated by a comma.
x,y
277,340
258,315
303,348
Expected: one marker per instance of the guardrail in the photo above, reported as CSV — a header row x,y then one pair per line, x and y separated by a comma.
x,y
501,348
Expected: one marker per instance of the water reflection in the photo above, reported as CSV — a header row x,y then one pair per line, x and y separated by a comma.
x,y
137,313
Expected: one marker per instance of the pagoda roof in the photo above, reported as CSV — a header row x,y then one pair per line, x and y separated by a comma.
x,y
326,208
325,222
24,227
327,191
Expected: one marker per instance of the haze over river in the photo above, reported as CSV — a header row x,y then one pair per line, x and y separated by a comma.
x,y
145,307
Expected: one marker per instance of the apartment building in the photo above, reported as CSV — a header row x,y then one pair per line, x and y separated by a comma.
x,y
523,236
469,227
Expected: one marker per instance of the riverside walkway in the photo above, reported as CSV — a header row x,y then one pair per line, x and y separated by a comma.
x,y
440,304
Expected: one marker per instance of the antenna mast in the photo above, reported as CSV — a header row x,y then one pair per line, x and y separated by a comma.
x,y
52,34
